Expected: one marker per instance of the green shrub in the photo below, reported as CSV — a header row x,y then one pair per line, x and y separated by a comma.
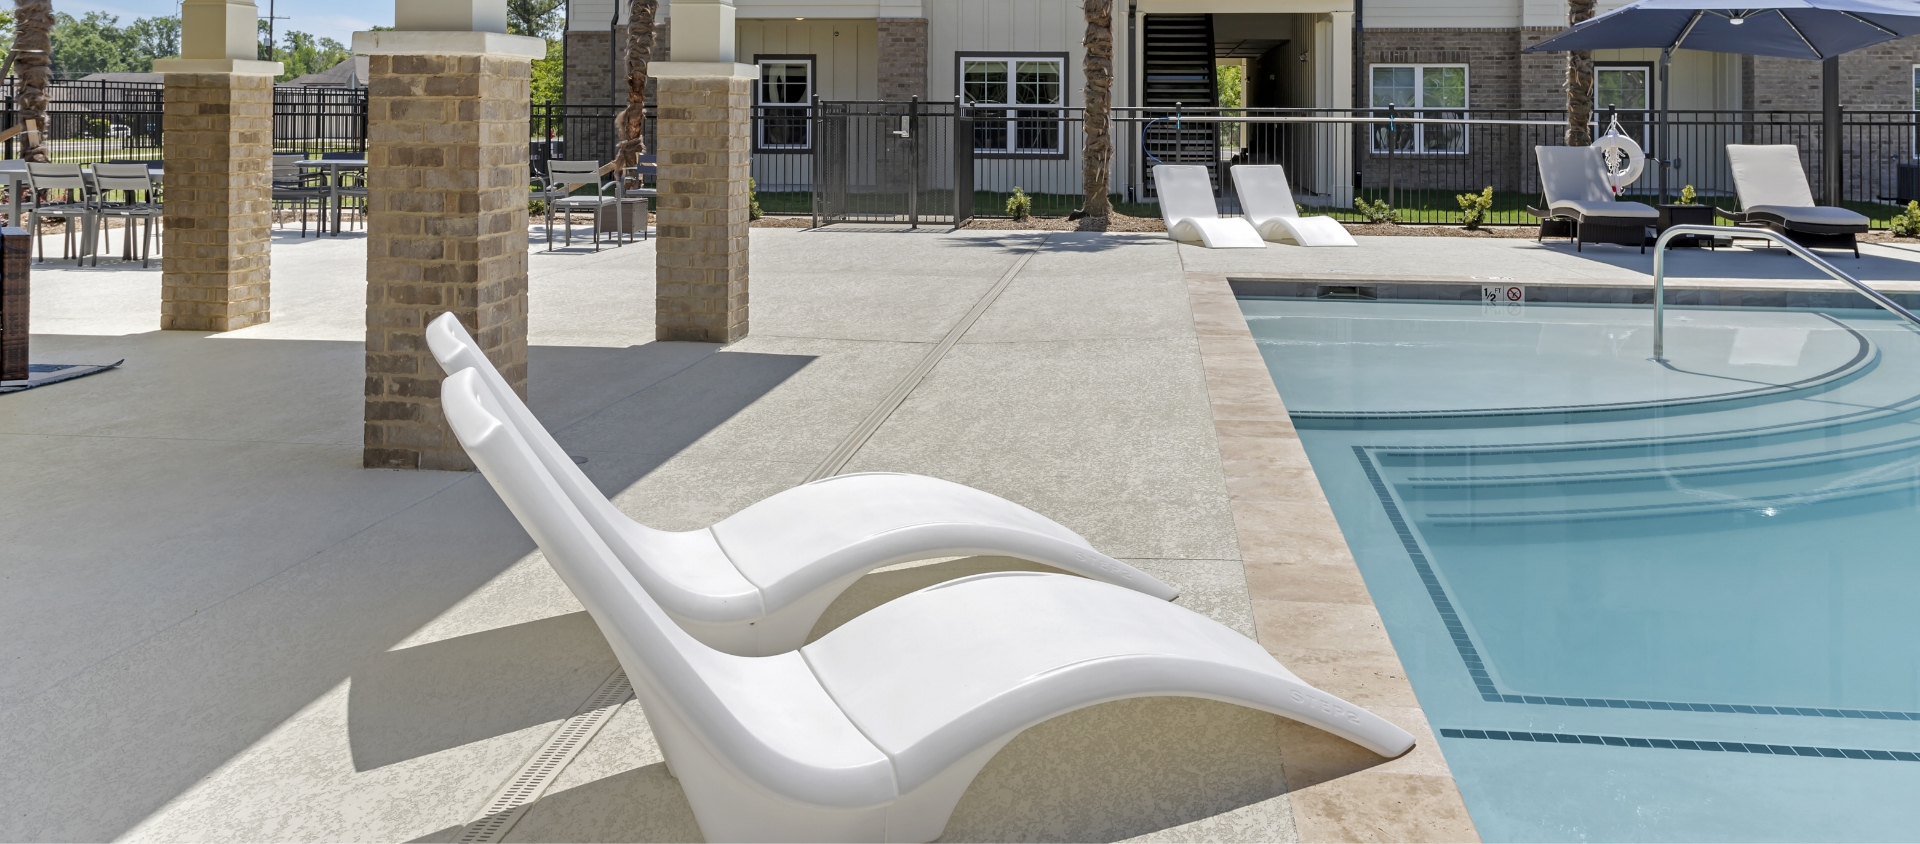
x,y
1377,211
536,208
753,201
1687,195
1907,223
1474,207
1019,205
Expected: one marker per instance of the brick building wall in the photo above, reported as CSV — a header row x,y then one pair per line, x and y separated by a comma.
x,y
903,58
588,56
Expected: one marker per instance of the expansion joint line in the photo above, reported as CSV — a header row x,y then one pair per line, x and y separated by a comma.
x,y
538,773
842,454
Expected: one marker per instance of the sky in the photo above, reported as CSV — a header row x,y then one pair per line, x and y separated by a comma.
x,y
336,19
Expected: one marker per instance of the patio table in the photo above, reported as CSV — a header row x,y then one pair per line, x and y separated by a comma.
x,y
335,168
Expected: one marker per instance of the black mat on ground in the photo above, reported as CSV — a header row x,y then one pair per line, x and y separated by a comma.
x,y
42,374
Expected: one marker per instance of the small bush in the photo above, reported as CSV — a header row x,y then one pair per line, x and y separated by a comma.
x,y
1907,223
1019,205
1377,211
1687,196
1474,207
753,201
536,208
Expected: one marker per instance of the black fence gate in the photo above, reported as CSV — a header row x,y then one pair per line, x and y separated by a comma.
x,y
881,162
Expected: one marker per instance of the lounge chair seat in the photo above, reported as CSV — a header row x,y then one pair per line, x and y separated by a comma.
x,y
1187,206
1774,194
1266,200
873,732
755,582
1574,185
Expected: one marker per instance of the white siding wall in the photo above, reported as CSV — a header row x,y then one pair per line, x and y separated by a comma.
x,y
1414,14
1039,26
846,52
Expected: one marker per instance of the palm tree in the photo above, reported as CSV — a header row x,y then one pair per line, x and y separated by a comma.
x,y
633,119
1096,157
1579,81
32,58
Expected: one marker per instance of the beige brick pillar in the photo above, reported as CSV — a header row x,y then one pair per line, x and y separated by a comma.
x,y
218,124
705,157
447,129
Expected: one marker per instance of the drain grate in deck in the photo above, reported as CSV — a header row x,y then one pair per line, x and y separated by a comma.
x,y
533,778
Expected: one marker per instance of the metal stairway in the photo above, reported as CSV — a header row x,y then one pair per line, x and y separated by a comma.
x,y
1179,65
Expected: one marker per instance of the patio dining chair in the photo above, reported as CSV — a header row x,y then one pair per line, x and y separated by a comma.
x,y
636,194
1267,203
1574,186
137,206
563,177
1186,203
754,583
78,205
353,183
1774,195
874,731
293,184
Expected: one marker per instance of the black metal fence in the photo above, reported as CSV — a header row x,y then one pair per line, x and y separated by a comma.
x,y
105,121
314,120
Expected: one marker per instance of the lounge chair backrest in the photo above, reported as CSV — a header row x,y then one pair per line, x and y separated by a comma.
x,y
1185,192
1264,191
654,567
1573,173
669,668
1769,174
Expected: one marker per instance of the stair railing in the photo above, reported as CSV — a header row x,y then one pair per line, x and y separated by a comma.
x,y
1805,254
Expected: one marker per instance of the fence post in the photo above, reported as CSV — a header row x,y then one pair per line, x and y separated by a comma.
x,y
15,266
818,137
913,162
1393,146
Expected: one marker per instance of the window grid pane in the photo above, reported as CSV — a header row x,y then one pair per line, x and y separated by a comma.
x,y
1015,82
785,88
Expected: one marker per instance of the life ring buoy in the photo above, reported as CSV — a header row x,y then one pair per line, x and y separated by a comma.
x,y
1623,159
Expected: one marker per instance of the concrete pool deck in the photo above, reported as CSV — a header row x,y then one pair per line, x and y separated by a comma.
x,y
216,626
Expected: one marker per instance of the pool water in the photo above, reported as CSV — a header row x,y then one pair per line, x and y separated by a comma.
x,y
1638,599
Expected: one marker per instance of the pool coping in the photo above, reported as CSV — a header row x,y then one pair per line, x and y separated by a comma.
x,y
1749,293
1311,606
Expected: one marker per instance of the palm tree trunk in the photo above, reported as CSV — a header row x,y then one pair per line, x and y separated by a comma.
x,y
1579,82
1096,158
633,119
33,49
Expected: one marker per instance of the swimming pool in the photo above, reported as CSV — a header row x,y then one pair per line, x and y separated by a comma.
x,y
1638,600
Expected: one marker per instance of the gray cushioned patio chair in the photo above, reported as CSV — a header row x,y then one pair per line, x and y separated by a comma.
x,y
1574,186
1774,195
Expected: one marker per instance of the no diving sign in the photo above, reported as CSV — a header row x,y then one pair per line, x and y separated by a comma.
x,y
1502,294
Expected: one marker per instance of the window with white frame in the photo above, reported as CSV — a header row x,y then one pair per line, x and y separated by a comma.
x,y
1627,89
1030,93
784,92
1421,91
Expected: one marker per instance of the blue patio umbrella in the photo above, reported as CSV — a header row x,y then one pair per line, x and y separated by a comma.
x,y
1791,29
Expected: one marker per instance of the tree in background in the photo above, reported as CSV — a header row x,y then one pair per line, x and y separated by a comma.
x,y
1096,157
1579,82
304,54
1230,88
541,19
632,121
32,61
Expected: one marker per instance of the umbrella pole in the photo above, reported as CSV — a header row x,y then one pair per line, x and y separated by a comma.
x,y
1666,131
1830,140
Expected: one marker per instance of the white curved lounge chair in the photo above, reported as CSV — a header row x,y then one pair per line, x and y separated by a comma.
x,y
1267,202
1774,194
755,582
873,732
1187,206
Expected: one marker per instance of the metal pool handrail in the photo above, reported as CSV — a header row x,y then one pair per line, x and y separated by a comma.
x,y
1805,254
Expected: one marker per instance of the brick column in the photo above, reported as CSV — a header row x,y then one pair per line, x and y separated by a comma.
x,y
705,158
216,223
446,231
903,58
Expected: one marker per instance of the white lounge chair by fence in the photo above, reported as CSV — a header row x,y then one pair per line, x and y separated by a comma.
x,y
1574,184
755,582
1267,202
1774,194
873,732
1187,206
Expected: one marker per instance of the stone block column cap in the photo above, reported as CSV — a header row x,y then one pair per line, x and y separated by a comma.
x,y
447,43
702,70
240,67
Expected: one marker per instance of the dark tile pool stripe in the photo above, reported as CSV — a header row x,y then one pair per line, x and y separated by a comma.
x,y
1685,744
1483,681
1461,641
